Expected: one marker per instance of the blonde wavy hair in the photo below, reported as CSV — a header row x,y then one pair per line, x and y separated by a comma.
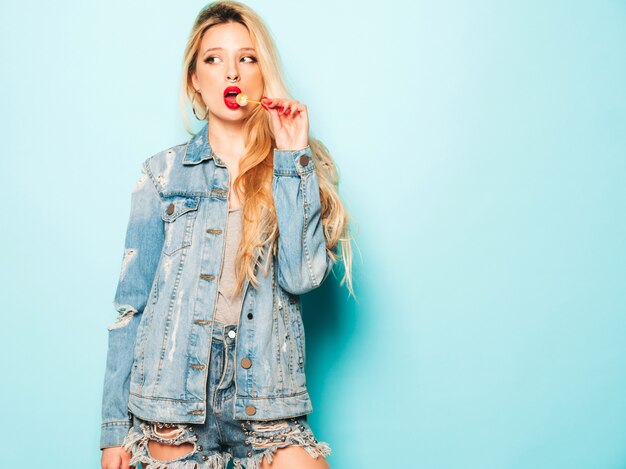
x,y
254,181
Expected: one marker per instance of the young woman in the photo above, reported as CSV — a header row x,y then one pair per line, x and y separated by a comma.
x,y
206,359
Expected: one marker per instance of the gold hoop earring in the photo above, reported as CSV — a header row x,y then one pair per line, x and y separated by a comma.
x,y
193,108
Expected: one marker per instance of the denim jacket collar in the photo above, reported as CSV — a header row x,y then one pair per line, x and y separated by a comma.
x,y
198,148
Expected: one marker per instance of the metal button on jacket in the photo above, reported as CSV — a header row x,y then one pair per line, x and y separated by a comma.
x,y
232,334
246,362
304,160
250,410
170,209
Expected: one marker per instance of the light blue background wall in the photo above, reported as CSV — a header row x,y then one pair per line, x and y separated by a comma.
x,y
482,154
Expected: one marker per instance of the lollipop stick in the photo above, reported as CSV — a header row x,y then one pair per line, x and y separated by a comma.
x,y
250,101
245,100
258,102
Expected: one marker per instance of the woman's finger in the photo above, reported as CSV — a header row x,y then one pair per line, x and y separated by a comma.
x,y
268,101
294,110
274,102
126,456
280,104
269,104
288,108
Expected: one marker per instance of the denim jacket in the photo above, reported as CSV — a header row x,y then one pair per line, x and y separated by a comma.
x,y
159,346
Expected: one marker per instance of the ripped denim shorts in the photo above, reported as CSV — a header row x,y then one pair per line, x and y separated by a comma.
x,y
222,437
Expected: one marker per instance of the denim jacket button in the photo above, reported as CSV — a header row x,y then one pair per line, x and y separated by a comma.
x,y
232,334
250,410
170,209
304,160
246,363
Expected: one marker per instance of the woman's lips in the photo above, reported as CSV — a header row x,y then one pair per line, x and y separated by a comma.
x,y
230,101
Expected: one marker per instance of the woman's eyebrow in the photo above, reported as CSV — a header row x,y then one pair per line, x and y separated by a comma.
x,y
221,48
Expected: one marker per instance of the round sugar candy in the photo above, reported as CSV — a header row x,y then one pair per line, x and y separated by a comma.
x,y
242,99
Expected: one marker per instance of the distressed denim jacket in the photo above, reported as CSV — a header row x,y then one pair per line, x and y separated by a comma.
x,y
159,346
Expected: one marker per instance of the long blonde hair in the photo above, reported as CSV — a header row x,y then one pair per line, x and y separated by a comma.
x,y
254,181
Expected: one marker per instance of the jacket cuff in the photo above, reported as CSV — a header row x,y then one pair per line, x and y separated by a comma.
x,y
113,433
293,162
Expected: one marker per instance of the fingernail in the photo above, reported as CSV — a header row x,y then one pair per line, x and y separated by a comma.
x,y
287,112
265,106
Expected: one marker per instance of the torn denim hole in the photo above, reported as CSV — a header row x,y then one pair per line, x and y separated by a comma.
x,y
170,433
270,426
136,443
125,314
276,434
129,255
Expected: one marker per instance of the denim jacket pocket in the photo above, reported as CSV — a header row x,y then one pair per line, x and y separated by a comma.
x,y
179,214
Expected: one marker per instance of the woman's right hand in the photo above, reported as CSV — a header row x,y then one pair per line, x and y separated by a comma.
x,y
115,457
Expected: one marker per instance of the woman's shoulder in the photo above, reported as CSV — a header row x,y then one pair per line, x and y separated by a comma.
x,y
161,165
164,159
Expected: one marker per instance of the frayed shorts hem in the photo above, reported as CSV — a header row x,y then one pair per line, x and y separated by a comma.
x,y
265,446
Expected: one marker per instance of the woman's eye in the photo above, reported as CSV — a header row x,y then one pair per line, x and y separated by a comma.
x,y
210,59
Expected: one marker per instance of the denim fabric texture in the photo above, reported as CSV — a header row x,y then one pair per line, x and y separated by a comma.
x,y
159,347
221,437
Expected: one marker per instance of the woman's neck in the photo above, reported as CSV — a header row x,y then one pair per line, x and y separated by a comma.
x,y
226,140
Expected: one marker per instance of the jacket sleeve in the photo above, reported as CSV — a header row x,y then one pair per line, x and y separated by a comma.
x,y
142,250
302,262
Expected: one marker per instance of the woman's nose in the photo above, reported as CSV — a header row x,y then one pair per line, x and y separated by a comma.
x,y
232,75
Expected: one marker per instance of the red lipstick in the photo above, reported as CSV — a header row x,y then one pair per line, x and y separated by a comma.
x,y
230,94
